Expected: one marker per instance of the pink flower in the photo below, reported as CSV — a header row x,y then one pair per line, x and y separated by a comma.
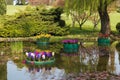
x,y
32,62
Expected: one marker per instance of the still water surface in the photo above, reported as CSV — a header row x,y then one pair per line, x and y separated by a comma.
x,y
89,59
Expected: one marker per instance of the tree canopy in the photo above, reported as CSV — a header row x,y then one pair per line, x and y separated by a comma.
x,y
80,6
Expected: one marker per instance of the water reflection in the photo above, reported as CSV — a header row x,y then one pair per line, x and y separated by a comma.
x,y
33,72
104,52
3,70
69,63
118,49
101,58
117,63
91,58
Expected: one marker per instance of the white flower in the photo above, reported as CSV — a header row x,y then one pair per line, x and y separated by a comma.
x,y
26,53
53,53
43,56
33,55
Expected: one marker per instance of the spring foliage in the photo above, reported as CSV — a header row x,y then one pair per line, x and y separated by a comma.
x,y
3,7
34,22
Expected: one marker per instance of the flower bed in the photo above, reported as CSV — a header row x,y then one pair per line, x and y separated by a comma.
x,y
43,39
70,45
39,57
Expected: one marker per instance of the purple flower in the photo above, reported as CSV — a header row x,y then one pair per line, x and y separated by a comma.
x,y
44,53
38,56
29,54
49,54
65,41
32,57
70,41
36,53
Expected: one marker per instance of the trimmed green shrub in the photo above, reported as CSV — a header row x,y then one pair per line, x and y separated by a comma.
x,y
118,26
35,22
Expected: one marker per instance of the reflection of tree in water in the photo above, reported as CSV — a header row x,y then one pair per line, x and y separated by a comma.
x,y
3,71
95,57
4,55
103,58
3,67
69,63
88,58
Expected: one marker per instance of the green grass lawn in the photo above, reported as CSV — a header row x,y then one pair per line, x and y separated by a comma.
x,y
114,19
88,26
11,9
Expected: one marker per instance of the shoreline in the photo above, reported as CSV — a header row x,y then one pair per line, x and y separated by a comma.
x,y
55,38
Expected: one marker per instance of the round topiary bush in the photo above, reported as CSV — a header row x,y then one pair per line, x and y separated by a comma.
x,y
118,26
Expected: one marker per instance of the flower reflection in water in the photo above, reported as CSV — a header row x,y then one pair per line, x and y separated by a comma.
x,y
46,73
34,72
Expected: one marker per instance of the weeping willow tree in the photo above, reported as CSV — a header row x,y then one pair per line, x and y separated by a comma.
x,y
80,6
3,7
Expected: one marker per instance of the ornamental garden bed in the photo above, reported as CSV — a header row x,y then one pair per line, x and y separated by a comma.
x,y
70,45
39,58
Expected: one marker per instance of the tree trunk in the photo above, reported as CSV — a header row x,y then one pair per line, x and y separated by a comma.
x,y
104,17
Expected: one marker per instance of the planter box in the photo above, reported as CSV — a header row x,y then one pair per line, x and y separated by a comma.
x,y
70,47
103,41
48,62
42,43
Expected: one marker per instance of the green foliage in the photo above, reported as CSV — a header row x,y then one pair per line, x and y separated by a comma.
x,y
22,1
80,6
34,22
118,26
9,2
16,47
118,10
3,7
118,47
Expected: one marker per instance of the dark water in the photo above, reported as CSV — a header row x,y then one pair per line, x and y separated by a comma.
x,y
90,58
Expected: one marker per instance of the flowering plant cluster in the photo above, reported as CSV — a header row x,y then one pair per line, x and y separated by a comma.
x,y
101,35
70,41
39,56
43,37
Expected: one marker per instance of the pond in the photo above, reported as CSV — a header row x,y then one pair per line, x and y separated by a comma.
x,y
90,58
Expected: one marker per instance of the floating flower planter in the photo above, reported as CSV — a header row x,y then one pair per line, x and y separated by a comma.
x,y
40,58
70,45
43,39
103,40
48,62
